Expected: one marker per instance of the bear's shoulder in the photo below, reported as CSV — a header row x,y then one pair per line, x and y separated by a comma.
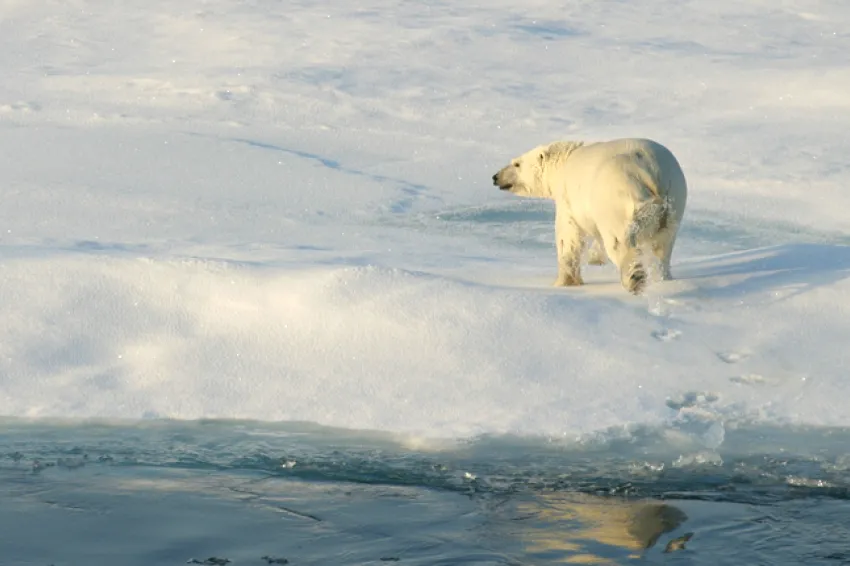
x,y
559,151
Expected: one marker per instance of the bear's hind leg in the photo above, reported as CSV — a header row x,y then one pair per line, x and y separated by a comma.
x,y
633,275
664,262
663,250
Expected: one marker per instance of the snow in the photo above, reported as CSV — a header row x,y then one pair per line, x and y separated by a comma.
x,y
284,212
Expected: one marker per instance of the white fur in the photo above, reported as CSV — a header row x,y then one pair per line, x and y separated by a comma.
x,y
628,194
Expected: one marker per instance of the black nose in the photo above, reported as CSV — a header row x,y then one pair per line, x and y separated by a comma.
x,y
495,179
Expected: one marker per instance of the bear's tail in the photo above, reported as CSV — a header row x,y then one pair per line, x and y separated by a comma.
x,y
649,220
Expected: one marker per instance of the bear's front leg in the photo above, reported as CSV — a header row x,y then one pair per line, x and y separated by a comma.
x,y
568,243
596,253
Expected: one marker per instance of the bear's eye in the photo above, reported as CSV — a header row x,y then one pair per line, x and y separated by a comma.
x,y
516,165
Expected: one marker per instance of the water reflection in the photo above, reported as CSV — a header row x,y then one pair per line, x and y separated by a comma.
x,y
576,528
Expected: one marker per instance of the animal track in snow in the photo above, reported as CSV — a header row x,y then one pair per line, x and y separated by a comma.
x,y
732,357
661,306
691,399
666,334
21,107
751,379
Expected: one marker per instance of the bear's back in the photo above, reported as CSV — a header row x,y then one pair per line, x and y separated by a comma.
x,y
643,158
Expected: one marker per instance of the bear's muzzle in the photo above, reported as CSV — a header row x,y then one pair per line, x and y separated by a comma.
x,y
502,186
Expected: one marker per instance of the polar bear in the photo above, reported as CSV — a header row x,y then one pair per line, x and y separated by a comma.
x,y
627,194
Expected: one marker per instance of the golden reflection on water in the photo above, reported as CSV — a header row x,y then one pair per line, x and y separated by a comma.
x,y
574,528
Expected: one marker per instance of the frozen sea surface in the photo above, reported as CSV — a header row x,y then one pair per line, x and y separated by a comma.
x,y
252,493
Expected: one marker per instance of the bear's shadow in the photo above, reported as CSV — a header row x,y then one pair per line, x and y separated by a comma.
x,y
793,269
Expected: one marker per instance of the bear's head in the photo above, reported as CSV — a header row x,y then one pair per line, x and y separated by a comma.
x,y
524,175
